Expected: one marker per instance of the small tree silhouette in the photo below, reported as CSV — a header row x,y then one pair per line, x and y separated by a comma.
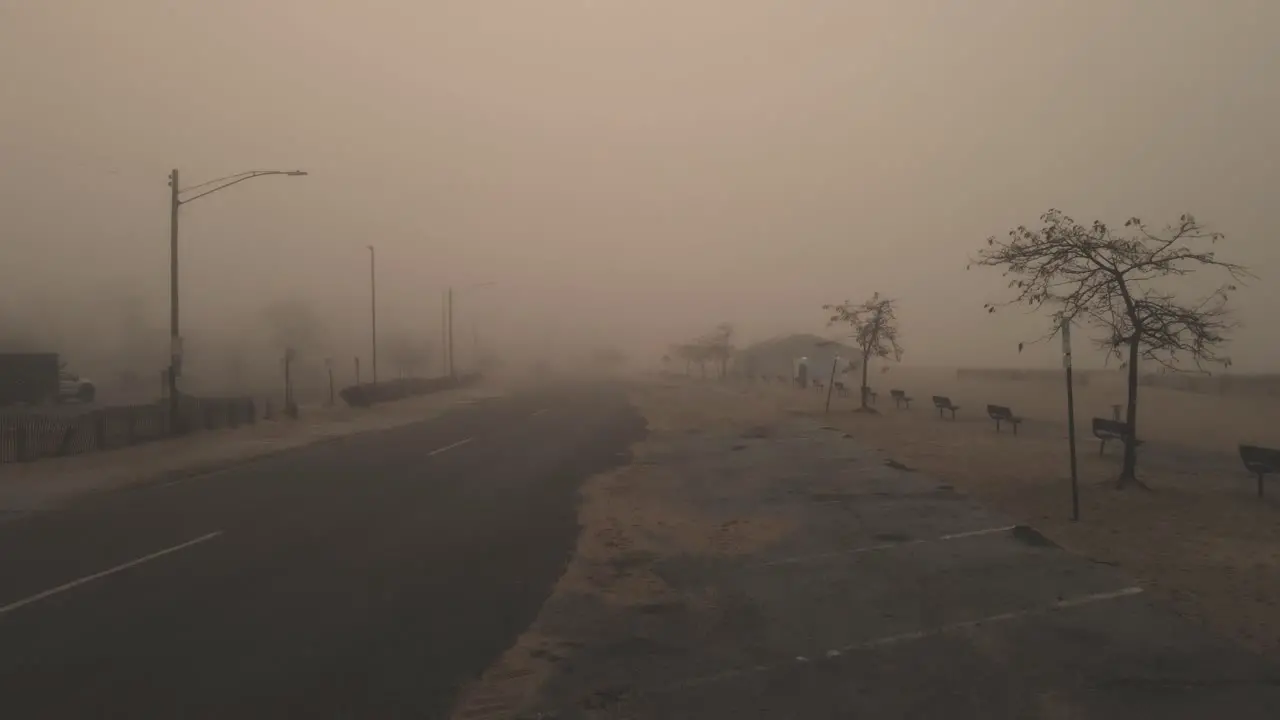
x,y
1118,283
875,331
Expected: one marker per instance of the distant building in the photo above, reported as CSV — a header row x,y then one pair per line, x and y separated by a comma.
x,y
779,356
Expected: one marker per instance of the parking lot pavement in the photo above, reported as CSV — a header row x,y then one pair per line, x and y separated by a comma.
x,y
888,595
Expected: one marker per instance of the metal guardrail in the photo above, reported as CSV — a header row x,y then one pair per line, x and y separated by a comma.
x,y
29,436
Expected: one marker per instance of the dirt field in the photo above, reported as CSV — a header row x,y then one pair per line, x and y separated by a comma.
x,y
1201,537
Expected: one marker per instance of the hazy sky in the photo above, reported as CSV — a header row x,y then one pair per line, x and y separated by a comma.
x,y
641,169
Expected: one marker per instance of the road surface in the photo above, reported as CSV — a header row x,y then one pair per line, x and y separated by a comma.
x,y
368,577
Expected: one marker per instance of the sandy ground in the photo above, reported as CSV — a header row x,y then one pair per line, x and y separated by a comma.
x,y
631,517
1200,537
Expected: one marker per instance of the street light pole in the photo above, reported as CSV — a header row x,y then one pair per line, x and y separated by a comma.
x,y
373,310
175,335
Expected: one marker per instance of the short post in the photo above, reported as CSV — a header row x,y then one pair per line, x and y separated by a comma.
x,y
357,369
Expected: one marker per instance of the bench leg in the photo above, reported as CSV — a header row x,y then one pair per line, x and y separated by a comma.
x,y
1015,428
997,426
1102,448
1260,476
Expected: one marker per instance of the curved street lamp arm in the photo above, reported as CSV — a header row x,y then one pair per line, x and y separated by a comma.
x,y
217,180
238,179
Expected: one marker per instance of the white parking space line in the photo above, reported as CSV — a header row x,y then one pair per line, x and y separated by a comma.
x,y
111,571
1002,617
885,546
460,443
908,637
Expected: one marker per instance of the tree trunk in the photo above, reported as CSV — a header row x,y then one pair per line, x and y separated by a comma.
x,y
1128,472
866,360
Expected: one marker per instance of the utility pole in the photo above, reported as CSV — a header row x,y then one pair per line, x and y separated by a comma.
x,y
452,371
175,343
444,333
373,311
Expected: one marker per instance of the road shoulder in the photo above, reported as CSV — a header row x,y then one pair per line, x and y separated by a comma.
x,y
42,485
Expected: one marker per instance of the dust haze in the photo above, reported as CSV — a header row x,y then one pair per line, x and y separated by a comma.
x,y
625,173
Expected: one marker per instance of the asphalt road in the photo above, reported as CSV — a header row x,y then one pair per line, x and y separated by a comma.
x,y
368,577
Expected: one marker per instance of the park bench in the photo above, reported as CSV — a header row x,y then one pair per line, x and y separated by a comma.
x,y
1105,430
900,398
871,396
1000,414
1260,461
817,384
841,390
943,403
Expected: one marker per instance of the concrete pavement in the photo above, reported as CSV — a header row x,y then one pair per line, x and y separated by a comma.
x,y
365,577
868,591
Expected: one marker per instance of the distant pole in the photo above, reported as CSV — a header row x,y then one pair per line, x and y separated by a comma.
x,y
1071,419
329,366
452,371
357,369
174,343
373,311
444,333
831,383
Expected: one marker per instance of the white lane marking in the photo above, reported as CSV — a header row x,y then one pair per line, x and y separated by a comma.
x,y
111,571
885,546
536,414
449,447
909,636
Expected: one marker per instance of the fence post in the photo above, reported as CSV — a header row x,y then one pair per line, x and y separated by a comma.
x,y
22,438
99,430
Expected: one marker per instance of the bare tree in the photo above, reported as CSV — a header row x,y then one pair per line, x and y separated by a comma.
x,y
608,358
1118,281
409,356
719,346
295,324
875,331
